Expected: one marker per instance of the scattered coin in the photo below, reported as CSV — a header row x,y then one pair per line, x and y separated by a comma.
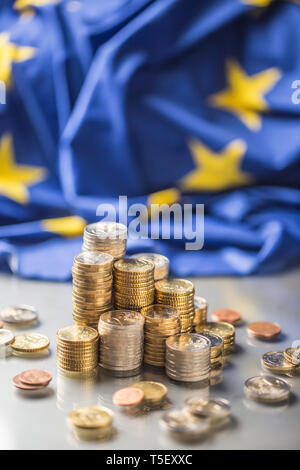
x,y
275,361
225,314
184,424
19,314
30,342
267,388
264,329
23,386
129,396
200,306
292,355
91,417
6,337
35,377
215,409
154,392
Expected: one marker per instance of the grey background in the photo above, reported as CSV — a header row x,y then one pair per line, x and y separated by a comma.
x,y
30,422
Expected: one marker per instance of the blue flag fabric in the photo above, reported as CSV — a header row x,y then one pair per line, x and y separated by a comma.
x,y
136,98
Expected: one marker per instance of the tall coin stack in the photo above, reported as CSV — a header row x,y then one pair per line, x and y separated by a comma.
x,y
161,264
179,294
200,317
121,342
105,237
161,321
92,287
223,329
133,283
77,348
188,358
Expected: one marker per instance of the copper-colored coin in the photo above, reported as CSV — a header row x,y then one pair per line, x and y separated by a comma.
x,y
19,384
226,314
264,329
35,377
128,396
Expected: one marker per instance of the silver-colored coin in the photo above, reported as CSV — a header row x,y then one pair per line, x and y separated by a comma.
x,y
89,258
19,314
188,342
275,360
121,319
267,388
182,422
213,408
200,303
106,230
215,340
6,337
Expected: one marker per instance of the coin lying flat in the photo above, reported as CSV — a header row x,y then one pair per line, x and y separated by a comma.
x,y
35,377
6,337
225,314
91,417
213,408
264,329
128,396
19,314
154,392
30,342
19,384
292,355
275,360
267,388
181,422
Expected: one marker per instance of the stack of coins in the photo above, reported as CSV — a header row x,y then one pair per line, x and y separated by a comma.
x,y
161,321
33,379
179,294
77,348
91,423
279,362
92,287
188,357
133,283
216,349
161,264
200,305
223,329
121,342
105,237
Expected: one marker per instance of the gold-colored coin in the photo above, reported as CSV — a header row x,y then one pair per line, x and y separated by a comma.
x,y
175,286
77,334
30,342
154,392
292,355
223,329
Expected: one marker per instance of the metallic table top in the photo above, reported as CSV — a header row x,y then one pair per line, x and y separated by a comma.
x,y
28,422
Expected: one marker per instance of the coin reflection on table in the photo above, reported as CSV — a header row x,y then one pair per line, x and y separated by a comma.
x,y
74,388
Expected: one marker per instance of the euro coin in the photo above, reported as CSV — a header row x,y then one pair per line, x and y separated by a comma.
x,y
161,264
264,330
30,342
267,388
213,408
19,314
275,361
128,396
154,392
183,424
90,417
292,355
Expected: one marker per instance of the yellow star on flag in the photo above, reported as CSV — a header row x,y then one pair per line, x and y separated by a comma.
x,y
24,4
216,171
9,53
15,178
244,96
72,226
258,3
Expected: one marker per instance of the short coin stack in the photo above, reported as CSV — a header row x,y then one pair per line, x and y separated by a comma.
x,y
188,357
216,349
105,237
161,264
92,287
33,379
179,294
77,348
200,305
121,342
161,321
223,329
280,362
133,283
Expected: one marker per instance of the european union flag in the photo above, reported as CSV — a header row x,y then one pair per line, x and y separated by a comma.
x,y
158,100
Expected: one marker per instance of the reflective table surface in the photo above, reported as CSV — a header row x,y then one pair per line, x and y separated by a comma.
x,y
39,422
